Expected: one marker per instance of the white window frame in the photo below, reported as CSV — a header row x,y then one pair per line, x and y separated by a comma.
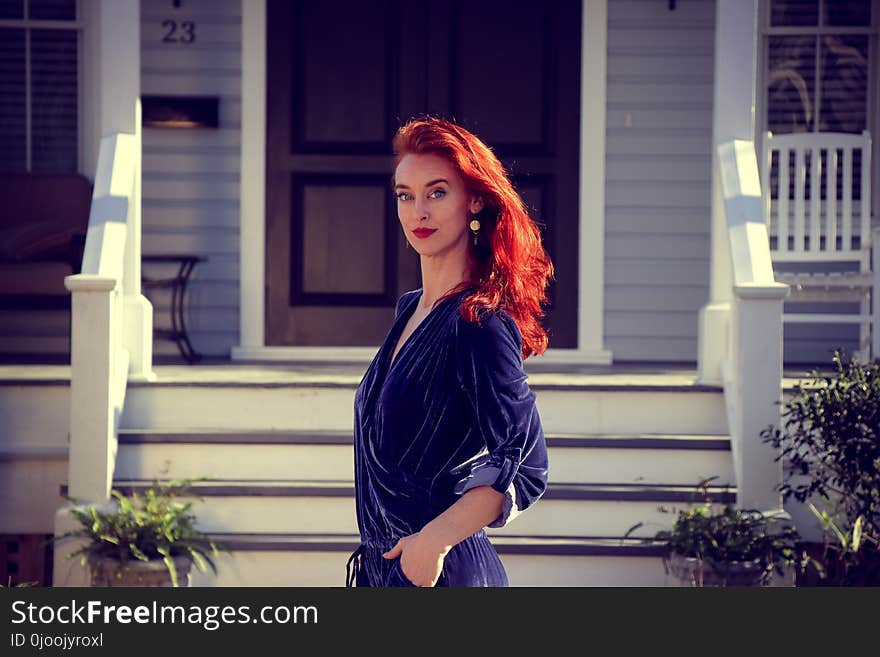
x,y
29,24
873,91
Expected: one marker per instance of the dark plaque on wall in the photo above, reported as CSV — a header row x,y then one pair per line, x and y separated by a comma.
x,y
180,111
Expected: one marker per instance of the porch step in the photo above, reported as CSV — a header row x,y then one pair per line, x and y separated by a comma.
x,y
325,401
326,507
325,455
319,560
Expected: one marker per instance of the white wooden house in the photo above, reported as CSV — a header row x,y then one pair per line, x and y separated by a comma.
x,y
634,129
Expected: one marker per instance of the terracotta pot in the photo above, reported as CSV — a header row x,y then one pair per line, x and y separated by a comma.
x,y
105,571
692,571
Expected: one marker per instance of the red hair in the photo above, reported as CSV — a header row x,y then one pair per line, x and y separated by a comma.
x,y
510,268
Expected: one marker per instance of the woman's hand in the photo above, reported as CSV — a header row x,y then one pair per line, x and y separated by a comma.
x,y
421,558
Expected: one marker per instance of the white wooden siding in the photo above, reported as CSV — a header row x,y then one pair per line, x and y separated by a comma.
x,y
191,177
657,200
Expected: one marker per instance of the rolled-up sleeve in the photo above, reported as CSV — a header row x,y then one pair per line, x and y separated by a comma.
x,y
514,461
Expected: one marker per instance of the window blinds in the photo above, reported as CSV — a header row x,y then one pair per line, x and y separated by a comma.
x,y
39,87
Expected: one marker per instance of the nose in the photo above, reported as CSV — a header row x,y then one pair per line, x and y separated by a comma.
x,y
421,209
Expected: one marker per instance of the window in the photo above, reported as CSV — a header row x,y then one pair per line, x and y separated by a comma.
x,y
819,64
39,85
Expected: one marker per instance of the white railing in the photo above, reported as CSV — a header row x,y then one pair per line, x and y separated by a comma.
x,y
752,365
99,361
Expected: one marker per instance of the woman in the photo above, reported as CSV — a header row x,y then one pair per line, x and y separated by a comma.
x,y
447,436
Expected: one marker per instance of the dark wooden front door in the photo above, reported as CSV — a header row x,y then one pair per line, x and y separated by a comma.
x,y
342,76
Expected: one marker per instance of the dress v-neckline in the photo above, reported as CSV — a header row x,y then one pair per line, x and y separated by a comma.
x,y
396,357
393,359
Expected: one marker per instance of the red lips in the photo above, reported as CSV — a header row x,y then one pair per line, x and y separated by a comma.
x,y
424,232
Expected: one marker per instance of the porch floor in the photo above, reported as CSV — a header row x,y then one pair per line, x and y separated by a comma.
x,y
219,371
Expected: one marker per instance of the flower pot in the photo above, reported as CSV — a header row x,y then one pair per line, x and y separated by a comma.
x,y
107,571
692,571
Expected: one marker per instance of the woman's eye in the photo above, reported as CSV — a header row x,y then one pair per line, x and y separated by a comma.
x,y
437,193
403,196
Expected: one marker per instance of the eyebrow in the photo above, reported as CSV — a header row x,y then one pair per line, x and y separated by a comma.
x,y
433,182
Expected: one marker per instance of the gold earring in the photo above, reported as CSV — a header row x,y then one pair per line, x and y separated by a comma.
x,y
475,227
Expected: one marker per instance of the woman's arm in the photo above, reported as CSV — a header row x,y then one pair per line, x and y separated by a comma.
x,y
471,512
421,554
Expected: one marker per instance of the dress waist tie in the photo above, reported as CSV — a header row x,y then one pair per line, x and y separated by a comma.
x,y
352,569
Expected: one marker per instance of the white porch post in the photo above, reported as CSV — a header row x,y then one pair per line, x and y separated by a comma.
x,y
252,255
733,117
591,251
744,297
756,326
119,108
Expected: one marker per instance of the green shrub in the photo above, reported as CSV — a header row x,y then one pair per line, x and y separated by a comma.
x,y
830,446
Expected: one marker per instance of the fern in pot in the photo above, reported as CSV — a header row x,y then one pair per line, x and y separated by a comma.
x,y
147,539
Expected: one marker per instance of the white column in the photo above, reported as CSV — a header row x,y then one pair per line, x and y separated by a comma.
x,y
591,249
119,109
252,253
733,117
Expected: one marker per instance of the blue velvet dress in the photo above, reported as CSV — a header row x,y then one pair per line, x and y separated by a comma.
x,y
452,412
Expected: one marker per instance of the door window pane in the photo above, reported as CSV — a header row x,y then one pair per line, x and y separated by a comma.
x,y
791,83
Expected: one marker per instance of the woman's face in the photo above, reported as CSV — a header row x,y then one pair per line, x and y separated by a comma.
x,y
433,205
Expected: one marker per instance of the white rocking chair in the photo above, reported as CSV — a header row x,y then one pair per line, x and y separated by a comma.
x,y
807,228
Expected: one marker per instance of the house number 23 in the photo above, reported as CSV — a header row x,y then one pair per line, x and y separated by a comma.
x,y
182,32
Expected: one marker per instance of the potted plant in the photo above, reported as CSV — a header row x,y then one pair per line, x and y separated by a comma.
x,y
830,446
727,547
23,585
147,539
